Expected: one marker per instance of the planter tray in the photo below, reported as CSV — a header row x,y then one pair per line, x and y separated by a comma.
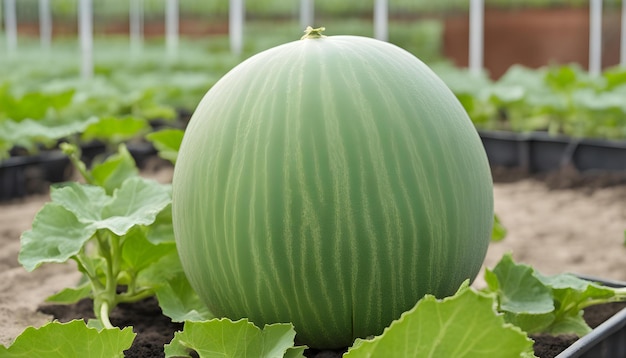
x,y
30,174
24,175
539,152
608,340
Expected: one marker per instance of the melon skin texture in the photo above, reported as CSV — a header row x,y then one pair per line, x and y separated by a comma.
x,y
330,182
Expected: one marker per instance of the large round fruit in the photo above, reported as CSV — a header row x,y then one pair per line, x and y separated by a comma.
x,y
330,182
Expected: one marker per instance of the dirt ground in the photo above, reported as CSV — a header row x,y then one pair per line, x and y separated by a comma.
x,y
565,230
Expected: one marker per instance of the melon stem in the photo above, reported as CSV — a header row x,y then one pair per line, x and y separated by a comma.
x,y
311,33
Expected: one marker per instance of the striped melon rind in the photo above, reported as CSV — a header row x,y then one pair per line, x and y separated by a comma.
x,y
330,182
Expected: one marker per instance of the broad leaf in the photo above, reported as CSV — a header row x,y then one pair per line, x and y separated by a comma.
x,y
138,253
498,232
464,325
544,304
72,339
162,229
225,338
56,236
84,201
71,295
519,291
180,302
136,202
29,132
570,295
115,129
176,297
115,170
167,142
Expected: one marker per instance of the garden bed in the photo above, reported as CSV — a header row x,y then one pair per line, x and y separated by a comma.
x,y
154,330
567,230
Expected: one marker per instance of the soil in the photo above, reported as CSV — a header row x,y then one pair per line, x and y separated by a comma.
x,y
556,223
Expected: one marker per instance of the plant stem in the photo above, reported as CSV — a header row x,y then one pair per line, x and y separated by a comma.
x,y
136,296
73,152
104,315
108,245
619,297
93,278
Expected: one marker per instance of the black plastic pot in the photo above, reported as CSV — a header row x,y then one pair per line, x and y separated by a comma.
x,y
55,166
31,174
505,149
141,152
596,154
608,340
540,152
548,153
13,176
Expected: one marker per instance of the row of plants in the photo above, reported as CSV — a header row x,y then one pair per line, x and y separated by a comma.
x,y
560,100
40,106
557,99
44,99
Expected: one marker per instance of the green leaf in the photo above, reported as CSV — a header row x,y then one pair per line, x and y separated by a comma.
x,y
138,253
570,296
56,236
84,201
29,132
519,291
115,129
225,338
498,232
180,302
464,325
176,297
71,295
167,142
544,304
136,202
72,339
162,229
526,302
115,170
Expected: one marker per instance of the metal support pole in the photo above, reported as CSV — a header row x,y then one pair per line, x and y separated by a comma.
x,y
45,24
622,54
595,37
135,19
476,37
85,29
381,20
236,14
307,14
10,26
171,27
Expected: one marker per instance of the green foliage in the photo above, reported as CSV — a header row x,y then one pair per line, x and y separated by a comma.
x,y
225,338
31,134
556,99
115,130
463,325
72,339
499,231
167,142
549,304
117,228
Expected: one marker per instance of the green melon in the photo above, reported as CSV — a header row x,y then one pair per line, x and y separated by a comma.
x,y
330,182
